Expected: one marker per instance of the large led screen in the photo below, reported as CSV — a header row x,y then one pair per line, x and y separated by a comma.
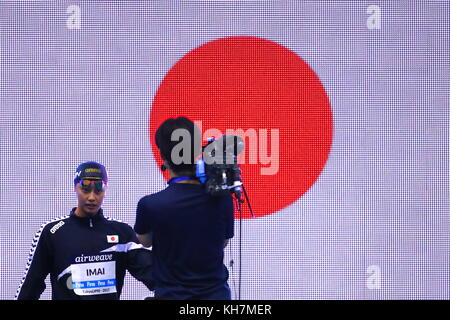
x,y
343,106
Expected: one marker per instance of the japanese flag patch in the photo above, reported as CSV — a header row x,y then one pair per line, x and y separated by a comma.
x,y
112,239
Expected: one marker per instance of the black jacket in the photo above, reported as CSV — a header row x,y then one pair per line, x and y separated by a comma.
x,y
86,259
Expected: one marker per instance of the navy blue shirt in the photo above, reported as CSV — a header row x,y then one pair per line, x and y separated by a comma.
x,y
189,228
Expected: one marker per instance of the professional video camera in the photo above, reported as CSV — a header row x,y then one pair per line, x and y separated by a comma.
x,y
218,169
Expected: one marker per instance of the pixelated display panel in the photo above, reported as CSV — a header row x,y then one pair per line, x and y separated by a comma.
x,y
358,206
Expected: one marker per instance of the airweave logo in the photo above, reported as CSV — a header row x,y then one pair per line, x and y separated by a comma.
x,y
95,258
56,227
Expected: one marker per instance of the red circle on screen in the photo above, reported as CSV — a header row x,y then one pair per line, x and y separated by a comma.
x,y
261,88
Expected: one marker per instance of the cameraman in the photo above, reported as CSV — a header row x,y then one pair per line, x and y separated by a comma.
x,y
187,228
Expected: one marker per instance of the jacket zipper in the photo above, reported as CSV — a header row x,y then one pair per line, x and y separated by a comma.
x,y
90,223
